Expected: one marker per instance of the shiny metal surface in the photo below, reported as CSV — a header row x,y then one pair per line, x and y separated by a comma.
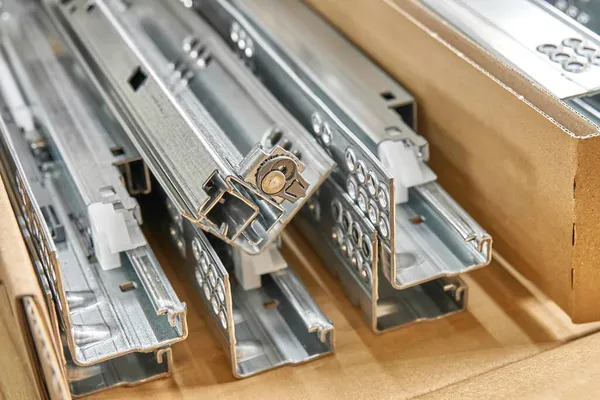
x,y
206,128
355,110
104,314
273,325
348,246
559,53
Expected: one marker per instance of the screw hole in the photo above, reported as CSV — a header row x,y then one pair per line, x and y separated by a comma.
x,y
271,304
417,219
388,96
127,286
117,151
275,137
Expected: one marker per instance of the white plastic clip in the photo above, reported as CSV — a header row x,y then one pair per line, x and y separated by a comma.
x,y
406,168
114,230
249,268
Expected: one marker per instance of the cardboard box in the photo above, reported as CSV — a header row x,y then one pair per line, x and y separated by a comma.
x,y
524,164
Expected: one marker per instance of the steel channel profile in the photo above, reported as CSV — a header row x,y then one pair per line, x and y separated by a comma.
x,y
265,318
232,159
267,327
117,324
398,241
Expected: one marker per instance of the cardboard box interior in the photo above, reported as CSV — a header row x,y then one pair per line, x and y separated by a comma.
x,y
529,180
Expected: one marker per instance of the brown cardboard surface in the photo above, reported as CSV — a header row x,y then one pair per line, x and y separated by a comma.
x,y
526,178
509,345
567,372
39,348
16,372
509,326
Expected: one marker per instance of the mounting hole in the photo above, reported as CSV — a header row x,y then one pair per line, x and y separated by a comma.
x,y
127,286
586,51
365,247
574,66
137,79
388,96
572,42
350,159
547,48
417,219
275,137
346,221
117,151
356,234
271,304
560,57
286,145
336,210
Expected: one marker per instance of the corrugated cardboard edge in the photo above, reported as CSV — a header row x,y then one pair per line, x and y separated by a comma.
x,y
50,365
18,275
554,109
549,261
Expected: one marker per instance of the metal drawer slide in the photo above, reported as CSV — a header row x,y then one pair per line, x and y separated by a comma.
x,y
389,218
233,161
112,302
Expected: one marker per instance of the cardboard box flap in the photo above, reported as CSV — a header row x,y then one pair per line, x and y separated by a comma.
x,y
556,110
